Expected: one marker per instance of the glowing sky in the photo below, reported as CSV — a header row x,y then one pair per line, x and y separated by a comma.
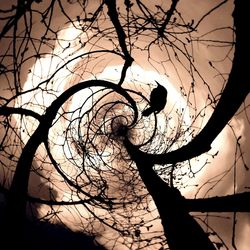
x,y
141,76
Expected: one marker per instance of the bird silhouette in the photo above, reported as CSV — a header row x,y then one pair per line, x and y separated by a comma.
x,y
157,100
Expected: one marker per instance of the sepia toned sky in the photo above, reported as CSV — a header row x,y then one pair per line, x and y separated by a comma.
x,y
145,71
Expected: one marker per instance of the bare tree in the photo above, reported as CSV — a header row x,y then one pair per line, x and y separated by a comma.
x,y
75,80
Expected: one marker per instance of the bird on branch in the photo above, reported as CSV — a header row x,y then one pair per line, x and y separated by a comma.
x,y
157,100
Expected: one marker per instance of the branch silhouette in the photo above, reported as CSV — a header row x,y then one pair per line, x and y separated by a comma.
x,y
234,94
93,152
112,12
229,203
181,229
21,8
17,196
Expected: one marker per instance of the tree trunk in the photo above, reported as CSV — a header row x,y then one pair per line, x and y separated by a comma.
x,y
181,229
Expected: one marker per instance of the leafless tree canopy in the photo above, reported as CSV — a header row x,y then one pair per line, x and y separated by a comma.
x,y
75,148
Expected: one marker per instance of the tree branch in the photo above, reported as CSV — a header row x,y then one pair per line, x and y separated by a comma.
x,y
21,8
17,196
112,12
179,226
168,16
233,96
230,203
7,111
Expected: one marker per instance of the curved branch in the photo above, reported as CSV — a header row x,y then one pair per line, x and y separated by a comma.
x,y
17,197
233,96
6,111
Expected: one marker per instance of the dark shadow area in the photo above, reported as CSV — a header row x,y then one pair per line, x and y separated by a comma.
x,y
43,235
